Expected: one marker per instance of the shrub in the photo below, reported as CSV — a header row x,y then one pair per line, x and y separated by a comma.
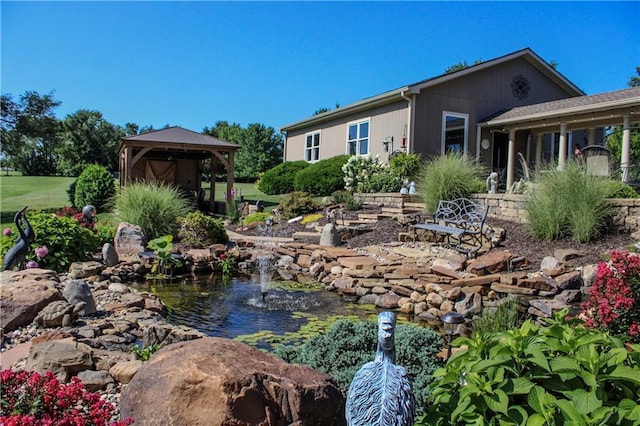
x,y
258,217
66,241
568,202
155,207
321,178
296,204
368,174
71,193
199,230
279,180
95,186
348,345
558,374
347,198
314,217
614,299
29,398
105,233
619,189
448,177
495,320
405,165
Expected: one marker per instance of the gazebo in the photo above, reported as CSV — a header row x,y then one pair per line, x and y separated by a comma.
x,y
175,156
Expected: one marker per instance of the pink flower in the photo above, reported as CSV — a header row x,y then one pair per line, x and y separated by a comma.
x,y
32,264
42,252
6,232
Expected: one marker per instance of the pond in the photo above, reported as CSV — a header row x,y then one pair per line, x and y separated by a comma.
x,y
248,309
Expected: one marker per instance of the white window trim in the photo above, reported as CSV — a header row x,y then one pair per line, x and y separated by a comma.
x,y
465,148
319,133
357,122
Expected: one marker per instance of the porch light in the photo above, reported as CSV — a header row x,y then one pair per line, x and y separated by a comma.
x,y
386,142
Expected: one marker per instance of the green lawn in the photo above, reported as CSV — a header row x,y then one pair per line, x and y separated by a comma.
x,y
50,194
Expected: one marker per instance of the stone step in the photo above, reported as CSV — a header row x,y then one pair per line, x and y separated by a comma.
x,y
355,222
414,205
306,236
392,211
371,217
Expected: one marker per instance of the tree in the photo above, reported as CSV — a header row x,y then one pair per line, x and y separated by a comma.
x,y
634,81
260,147
87,138
324,109
460,66
30,133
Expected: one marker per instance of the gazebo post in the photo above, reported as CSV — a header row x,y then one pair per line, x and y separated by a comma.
x,y
229,181
212,180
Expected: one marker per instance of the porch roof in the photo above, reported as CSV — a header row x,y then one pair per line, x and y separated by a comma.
x,y
579,112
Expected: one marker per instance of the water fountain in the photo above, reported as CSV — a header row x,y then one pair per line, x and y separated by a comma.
x,y
265,265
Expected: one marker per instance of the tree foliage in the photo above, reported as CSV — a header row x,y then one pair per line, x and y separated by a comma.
x,y
460,66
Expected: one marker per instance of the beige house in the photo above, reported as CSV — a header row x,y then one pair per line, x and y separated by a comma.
x,y
490,111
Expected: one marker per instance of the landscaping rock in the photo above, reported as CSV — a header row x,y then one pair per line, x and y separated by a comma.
x,y
65,358
78,291
229,383
110,255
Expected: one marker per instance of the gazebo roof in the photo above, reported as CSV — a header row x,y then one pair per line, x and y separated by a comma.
x,y
178,136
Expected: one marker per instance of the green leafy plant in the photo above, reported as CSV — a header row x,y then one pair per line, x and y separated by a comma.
x,y
321,178
560,373
347,198
95,186
614,299
619,189
296,204
568,202
279,180
67,241
164,261
227,263
448,177
314,217
155,207
30,399
143,354
493,320
405,165
368,174
200,230
347,345
257,217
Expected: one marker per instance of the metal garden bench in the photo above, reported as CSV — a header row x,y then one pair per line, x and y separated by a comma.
x,y
461,218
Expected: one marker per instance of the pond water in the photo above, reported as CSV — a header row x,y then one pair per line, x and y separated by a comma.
x,y
248,310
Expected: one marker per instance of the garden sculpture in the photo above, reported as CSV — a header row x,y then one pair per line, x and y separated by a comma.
x,y
89,214
492,183
381,392
15,255
59,313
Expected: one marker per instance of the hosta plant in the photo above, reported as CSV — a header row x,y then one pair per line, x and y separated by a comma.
x,y
614,298
561,373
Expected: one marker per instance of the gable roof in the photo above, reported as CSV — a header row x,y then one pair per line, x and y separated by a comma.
x,y
415,88
180,136
572,108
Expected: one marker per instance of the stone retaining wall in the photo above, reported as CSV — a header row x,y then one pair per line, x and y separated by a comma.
x,y
388,199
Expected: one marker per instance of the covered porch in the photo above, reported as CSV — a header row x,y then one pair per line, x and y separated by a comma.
x,y
564,124
175,156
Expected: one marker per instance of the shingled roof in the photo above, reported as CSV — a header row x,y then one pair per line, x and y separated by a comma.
x,y
178,135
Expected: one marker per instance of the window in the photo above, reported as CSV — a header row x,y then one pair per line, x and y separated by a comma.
x,y
358,138
454,132
312,147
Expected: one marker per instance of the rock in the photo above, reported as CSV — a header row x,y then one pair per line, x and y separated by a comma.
x,y
126,301
569,296
25,293
547,306
110,255
85,269
78,291
164,334
285,261
589,274
330,236
470,305
454,262
129,239
229,383
388,301
124,371
569,281
434,300
65,358
549,263
94,381
566,254
490,263
119,288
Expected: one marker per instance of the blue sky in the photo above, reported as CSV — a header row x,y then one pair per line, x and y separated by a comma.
x,y
193,63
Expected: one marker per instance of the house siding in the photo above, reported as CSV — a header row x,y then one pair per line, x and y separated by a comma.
x,y
387,120
479,94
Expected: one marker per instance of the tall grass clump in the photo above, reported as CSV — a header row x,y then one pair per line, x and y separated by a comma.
x,y
448,177
505,316
568,203
155,207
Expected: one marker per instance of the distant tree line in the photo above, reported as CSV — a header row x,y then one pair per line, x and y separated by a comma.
x,y
37,143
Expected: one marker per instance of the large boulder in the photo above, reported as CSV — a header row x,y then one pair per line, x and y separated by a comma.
x,y
215,381
23,294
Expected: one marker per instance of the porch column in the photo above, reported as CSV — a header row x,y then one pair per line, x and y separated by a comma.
x,y
625,161
538,150
511,159
562,153
591,136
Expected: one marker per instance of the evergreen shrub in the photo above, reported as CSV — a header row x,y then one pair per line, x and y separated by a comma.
x,y
95,186
348,345
405,165
297,203
155,207
321,178
619,189
348,199
279,180
199,230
